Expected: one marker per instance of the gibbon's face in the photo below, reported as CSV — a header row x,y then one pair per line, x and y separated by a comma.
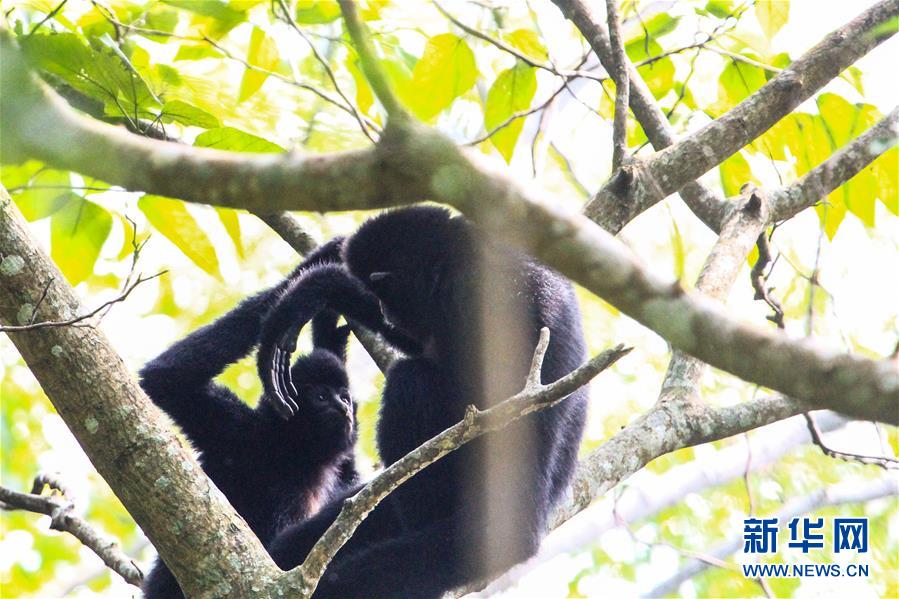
x,y
324,401
328,408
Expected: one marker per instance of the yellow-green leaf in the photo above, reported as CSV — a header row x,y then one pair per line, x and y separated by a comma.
x,y
659,74
44,191
772,15
512,92
262,53
885,171
445,71
737,81
188,114
77,233
735,172
171,218
316,12
528,42
235,140
232,226
364,96
196,52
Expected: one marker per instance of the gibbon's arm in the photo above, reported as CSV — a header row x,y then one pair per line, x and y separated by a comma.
x,y
187,368
328,287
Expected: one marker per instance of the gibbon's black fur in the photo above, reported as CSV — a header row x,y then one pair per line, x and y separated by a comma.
x,y
273,471
423,274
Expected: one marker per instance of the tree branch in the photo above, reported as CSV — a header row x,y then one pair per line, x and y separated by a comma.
x,y
534,397
375,76
201,537
675,166
620,75
62,519
705,203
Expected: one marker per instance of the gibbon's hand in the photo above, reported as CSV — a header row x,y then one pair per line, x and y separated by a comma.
x,y
277,342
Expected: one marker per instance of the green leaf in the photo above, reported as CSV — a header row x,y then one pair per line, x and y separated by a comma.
x,y
188,114
44,190
677,246
659,74
512,92
232,226
225,18
263,53
235,140
661,24
772,15
99,73
196,52
844,122
737,81
445,71
735,172
853,76
364,96
885,171
720,8
171,218
528,41
77,233
316,12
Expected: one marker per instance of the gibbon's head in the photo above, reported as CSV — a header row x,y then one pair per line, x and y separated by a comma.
x,y
325,403
410,258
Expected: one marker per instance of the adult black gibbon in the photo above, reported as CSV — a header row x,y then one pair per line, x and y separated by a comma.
x,y
475,310
273,471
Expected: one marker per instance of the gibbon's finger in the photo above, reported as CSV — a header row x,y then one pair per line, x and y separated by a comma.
x,y
287,379
284,384
278,400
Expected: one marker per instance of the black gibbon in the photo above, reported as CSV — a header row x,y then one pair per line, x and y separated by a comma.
x,y
275,472
468,314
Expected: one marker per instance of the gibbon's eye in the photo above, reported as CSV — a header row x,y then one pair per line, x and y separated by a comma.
x,y
345,396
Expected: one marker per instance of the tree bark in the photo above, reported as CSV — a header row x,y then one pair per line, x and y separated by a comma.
x,y
208,547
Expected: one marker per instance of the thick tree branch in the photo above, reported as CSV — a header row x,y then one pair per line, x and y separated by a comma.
x,y
620,75
738,235
853,492
534,397
413,163
207,545
665,428
675,166
837,169
59,508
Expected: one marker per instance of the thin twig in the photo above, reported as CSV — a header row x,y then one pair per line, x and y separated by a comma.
x,y
371,68
568,74
327,67
78,319
59,508
882,461
759,280
622,86
49,16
